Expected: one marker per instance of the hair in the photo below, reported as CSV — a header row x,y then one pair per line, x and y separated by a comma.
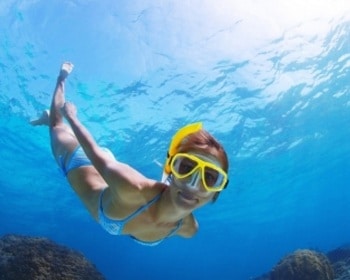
x,y
203,141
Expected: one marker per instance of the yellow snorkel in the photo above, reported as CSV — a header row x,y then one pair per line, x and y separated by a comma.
x,y
175,142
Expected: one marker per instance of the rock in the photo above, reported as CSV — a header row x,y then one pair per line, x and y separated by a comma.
x,y
34,258
339,254
303,265
340,259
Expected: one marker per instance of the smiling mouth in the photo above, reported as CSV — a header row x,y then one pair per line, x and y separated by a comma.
x,y
188,197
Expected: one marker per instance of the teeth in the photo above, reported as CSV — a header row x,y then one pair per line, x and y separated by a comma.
x,y
187,196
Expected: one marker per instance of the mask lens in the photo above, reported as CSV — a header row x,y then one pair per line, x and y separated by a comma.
x,y
211,177
183,166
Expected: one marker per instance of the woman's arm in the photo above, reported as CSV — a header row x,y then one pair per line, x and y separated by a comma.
x,y
113,172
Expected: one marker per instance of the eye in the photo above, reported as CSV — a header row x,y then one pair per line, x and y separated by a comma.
x,y
186,166
211,176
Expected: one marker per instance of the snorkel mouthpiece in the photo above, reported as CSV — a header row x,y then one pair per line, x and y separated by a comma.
x,y
175,142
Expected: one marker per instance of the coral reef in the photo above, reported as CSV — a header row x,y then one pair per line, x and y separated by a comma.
x,y
340,259
303,265
23,257
308,264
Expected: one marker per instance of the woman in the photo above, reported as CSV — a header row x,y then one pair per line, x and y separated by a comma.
x,y
120,198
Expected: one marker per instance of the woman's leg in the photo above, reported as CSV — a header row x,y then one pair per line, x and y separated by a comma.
x,y
63,140
86,182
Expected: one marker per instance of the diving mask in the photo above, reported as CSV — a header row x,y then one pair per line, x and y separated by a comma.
x,y
183,166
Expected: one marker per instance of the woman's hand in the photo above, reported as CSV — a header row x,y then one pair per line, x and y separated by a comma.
x,y
69,111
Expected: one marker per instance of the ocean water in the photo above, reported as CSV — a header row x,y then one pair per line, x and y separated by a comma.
x,y
269,79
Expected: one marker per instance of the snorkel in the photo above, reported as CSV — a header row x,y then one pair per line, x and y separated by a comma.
x,y
174,144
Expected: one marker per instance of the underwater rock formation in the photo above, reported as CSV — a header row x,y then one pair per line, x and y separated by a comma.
x,y
303,265
23,257
340,259
312,261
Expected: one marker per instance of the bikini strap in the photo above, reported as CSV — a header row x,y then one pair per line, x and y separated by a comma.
x,y
174,230
143,208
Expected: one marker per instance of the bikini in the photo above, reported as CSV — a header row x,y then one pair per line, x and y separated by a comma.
x,y
77,159
112,226
116,226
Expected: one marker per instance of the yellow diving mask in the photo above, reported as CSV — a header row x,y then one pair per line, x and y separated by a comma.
x,y
183,166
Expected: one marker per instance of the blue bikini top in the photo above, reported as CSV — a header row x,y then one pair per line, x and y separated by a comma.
x,y
115,226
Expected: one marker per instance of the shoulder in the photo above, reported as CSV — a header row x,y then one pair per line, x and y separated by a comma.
x,y
123,200
125,178
137,191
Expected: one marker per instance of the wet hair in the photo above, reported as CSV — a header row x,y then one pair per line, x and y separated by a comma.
x,y
203,141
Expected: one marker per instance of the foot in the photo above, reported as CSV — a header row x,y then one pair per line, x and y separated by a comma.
x,y
66,69
42,120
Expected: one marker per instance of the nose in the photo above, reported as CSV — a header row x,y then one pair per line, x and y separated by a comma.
x,y
194,181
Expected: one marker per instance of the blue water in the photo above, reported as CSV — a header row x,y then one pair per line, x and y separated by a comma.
x,y
270,80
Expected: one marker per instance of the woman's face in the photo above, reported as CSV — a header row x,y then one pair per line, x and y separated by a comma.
x,y
189,192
